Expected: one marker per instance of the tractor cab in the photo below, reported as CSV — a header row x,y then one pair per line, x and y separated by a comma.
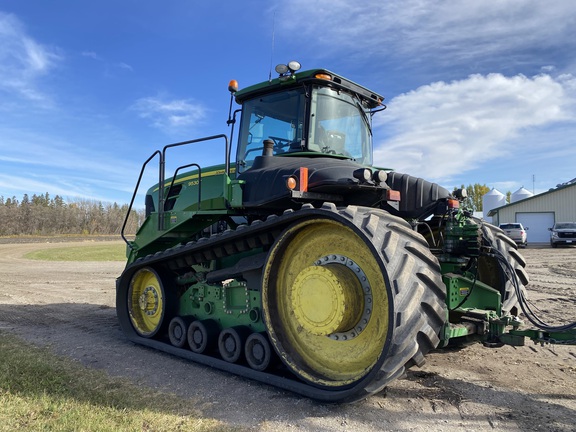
x,y
314,114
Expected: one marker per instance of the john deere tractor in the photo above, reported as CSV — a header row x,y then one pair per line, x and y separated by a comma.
x,y
303,265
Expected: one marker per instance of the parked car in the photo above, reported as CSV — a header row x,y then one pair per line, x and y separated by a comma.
x,y
563,233
516,232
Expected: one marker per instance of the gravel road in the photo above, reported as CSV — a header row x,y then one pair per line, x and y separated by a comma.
x,y
69,306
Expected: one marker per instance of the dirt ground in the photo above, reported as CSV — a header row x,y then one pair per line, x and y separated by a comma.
x,y
69,306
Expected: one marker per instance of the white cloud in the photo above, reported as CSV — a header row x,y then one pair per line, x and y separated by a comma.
x,y
25,184
40,152
448,130
125,66
440,130
169,115
95,56
23,60
34,162
92,55
448,33
67,186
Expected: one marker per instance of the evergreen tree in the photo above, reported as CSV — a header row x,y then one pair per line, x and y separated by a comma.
x,y
43,215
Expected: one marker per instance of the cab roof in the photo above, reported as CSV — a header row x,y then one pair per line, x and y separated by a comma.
x,y
321,77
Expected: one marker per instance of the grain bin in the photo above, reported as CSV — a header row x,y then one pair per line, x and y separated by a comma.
x,y
492,200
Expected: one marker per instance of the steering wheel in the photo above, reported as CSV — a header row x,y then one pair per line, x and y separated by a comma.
x,y
280,143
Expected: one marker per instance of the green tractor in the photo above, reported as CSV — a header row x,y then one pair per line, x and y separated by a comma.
x,y
304,266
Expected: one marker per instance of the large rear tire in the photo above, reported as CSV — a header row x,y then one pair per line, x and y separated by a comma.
x,y
493,272
353,299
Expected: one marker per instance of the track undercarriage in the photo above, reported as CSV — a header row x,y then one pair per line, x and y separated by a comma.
x,y
383,301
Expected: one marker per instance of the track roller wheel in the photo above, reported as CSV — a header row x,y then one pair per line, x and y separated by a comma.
x,y
177,331
231,343
146,302
353,299
202,335
258,351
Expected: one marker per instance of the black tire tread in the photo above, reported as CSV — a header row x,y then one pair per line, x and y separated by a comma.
x,y
497,239
416,283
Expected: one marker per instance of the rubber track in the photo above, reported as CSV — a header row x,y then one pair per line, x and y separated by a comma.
x,y
417,293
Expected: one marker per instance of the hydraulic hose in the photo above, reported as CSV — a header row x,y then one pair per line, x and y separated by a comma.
x,y
523,302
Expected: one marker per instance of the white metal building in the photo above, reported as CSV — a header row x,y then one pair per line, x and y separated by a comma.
x,y
539,212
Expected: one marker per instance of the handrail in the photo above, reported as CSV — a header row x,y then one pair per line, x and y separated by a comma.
x,y
174,179
162,178
161,195
157,152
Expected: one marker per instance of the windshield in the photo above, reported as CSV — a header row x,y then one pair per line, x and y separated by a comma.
x,y
510,226
279,117
339,125
565,225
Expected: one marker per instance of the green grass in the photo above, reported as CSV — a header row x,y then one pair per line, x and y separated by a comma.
x,y
90,252
43,392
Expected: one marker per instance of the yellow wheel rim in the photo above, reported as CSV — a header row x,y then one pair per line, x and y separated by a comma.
x,y
326,303
326,299
146,302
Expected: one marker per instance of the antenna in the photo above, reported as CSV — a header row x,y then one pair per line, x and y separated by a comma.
x,y
533,181
272,50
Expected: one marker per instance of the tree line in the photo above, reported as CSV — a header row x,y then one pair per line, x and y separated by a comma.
x,y
46,215
476,192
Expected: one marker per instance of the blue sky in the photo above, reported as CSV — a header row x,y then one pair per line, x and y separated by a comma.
x,y
477,92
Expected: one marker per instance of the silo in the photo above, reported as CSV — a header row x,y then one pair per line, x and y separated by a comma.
x,y
492,200
520,194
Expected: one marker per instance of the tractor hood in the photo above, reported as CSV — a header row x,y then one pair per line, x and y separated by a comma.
x,y
328,179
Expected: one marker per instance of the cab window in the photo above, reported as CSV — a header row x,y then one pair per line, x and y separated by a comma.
x,y
339,125
279,117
